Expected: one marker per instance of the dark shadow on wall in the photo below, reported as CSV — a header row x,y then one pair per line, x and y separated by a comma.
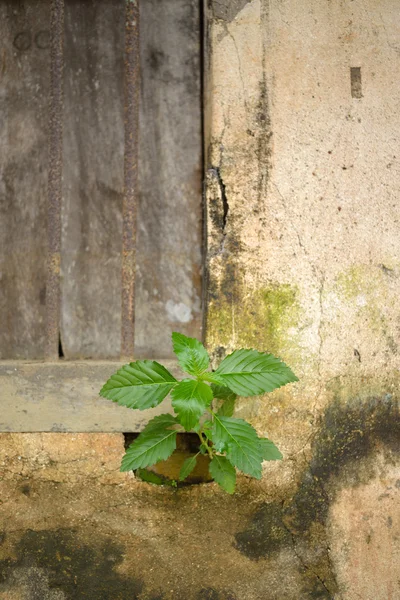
x,y
348,434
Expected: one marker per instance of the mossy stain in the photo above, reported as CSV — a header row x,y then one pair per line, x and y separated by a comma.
x,y
266,317
348,433
367,289
70,565
265,534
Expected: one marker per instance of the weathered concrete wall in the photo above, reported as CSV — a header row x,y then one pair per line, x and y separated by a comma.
x,y
304,243
303,260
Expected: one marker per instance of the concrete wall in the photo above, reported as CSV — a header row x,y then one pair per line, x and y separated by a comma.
x,y
303,260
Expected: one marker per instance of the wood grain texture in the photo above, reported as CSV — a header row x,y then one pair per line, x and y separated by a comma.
x,y
24,93
170,173
93,179
168,288
169,213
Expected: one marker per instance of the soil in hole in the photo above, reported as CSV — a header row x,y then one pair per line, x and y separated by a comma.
x,y
167,471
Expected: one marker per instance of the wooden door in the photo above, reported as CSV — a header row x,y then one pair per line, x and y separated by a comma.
x,y
168,266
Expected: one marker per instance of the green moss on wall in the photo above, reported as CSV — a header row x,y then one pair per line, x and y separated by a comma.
x,y
281,313
360,280
366,288
266,319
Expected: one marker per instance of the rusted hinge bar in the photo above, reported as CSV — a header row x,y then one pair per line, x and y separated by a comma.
x,y
130,202
55,179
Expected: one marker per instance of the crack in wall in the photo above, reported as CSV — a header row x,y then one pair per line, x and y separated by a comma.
x,y
304,565
220,218
225,203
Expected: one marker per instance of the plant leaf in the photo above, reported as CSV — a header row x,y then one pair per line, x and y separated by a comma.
x,y
249,372
240,442
207,426
190,399
187,467
149,477
141,384
156,442
192,356
213,377
269,450
227,409
223,393
223,472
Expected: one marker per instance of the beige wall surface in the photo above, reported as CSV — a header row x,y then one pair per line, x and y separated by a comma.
x,y
303,260
304,242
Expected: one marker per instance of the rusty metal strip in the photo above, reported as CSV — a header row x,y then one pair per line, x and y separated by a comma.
x,y
131,116
55,179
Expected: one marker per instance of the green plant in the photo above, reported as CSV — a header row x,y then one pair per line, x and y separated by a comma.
x,y
204,404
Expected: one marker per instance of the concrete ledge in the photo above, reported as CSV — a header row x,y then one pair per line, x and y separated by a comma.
x,y
64,397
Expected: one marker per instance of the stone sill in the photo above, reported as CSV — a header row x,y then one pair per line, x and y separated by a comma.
x,y
63,397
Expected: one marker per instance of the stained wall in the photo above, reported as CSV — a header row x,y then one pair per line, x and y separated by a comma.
x,y
301,127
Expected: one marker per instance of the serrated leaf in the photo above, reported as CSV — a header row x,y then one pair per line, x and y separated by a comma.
x,y
149,477
227,408
213,377
269,450
190,398
249,372
239,440
187,467
156,442
207,426
223,472
222,392
192,356
141,384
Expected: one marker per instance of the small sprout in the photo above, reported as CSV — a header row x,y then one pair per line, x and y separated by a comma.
x,y
203,403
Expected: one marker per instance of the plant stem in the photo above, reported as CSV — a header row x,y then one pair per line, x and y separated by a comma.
x,y
205,444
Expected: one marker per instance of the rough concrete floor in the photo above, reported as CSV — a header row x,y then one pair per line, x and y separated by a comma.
x,y
73,527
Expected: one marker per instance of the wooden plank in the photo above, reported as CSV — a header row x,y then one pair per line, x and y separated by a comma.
x,y
64,396
168,287
24,94
169,240
93,179
54,187
170,172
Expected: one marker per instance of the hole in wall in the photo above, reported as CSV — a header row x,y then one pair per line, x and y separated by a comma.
x,y
167,472
355,82
129,438
60,348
